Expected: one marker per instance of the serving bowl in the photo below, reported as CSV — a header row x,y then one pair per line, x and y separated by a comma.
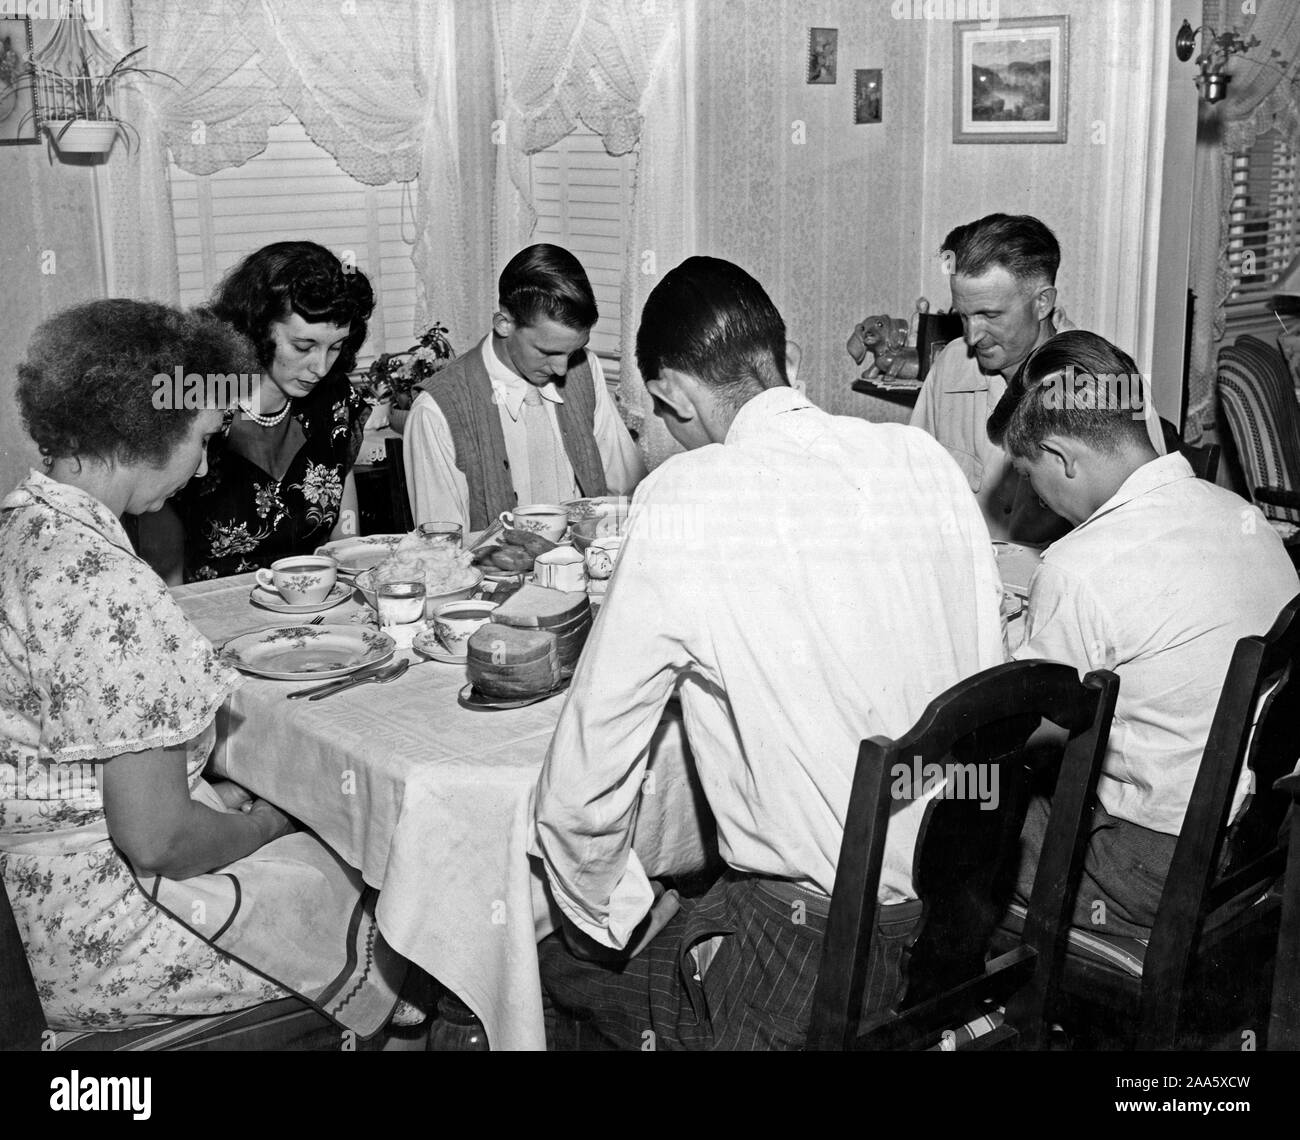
x,y
586,531
365,583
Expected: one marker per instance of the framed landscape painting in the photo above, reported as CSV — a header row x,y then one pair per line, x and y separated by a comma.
x,y
1010,83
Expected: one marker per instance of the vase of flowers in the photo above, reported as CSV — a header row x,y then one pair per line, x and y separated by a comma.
x,y
393,376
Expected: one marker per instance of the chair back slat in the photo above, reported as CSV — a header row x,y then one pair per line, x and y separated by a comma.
x,y
974,735
1216,869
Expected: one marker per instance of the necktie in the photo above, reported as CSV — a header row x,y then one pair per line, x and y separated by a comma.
x,y
550,477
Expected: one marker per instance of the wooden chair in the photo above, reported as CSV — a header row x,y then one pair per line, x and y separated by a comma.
x,y
287,1024
1202,977
1258,399
964,863
403,520
1284,1015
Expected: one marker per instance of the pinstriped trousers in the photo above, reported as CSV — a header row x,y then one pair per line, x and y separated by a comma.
x,y
757,991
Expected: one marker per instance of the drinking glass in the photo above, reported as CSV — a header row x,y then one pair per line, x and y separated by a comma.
x,y
450,534
401,610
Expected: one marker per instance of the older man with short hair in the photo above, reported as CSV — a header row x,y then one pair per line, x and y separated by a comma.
x,y
1003,279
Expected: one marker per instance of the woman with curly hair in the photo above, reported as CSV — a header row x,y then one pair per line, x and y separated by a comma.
x,y
111,840
281,482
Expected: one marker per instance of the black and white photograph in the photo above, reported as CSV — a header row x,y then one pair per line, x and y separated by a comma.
x,y
524,528
868,93
18,121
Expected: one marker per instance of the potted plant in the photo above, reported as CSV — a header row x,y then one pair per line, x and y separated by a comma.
x,y
76,79
392,377
79,118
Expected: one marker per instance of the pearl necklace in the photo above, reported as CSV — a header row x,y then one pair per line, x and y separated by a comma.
x,y
265,421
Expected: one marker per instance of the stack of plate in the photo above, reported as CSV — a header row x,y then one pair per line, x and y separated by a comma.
x,y
506,662
565,616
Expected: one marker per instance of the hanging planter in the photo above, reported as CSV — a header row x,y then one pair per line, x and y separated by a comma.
x,y
75,79
83,136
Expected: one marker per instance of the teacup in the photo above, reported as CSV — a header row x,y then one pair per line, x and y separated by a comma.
x,y
602,555
303,580
560,569
545,519
456,621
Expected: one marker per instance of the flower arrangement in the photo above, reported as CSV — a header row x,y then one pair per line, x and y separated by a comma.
x,y
392,377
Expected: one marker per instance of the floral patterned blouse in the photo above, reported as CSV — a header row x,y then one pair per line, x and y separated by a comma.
x,y
96,659
239,518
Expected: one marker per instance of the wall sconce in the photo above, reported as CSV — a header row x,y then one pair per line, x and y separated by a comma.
x,y
1213,79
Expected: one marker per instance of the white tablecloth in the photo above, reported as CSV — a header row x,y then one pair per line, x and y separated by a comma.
x,y
433,804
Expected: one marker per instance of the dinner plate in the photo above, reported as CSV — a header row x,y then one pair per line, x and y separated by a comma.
x,y
427,645
579,509
470,698
363,552
270,600
307,652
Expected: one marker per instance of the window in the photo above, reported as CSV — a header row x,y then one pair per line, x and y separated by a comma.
x,y
583,197
1263,229
294,190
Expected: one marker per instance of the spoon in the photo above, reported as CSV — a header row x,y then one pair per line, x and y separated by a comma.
x,y
379,676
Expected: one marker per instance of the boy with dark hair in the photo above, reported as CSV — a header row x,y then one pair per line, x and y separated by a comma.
x,y
736,592
1095,604
525,416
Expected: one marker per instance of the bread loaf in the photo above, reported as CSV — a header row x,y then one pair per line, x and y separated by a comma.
x,y
506,662
539,607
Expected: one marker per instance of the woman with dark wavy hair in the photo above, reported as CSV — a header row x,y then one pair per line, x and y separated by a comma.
x,y
281,482
141,890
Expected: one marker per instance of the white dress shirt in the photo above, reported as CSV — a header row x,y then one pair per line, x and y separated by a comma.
x,y
1159,584
438,489
813,581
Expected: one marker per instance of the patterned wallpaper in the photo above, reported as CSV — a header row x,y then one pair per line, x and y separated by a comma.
x,y
839,220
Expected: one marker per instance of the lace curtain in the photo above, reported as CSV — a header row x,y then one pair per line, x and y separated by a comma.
x,y
242,66
1261,96
605,63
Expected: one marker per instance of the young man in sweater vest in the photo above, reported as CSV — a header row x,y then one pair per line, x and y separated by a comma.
x,y
524,416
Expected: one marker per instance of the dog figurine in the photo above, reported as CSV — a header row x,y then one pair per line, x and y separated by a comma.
x,y
886,339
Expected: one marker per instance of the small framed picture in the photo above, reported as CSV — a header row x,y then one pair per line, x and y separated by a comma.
x,y
823,52
1010,82
18,114
867,90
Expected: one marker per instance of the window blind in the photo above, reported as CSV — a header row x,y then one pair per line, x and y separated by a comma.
x,y
1263,230
583,198
294,191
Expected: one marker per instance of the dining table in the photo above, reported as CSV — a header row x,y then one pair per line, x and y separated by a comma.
x,y
433,803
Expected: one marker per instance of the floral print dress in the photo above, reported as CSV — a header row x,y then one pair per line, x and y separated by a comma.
x,y
97,659
239,518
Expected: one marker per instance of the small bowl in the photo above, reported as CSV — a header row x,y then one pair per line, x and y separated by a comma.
x,y
586,531
365,584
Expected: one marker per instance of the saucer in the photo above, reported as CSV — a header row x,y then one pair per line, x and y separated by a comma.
x,y
426,644
270,600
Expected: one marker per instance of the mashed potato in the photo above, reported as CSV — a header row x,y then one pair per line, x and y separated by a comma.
x,y
443,568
